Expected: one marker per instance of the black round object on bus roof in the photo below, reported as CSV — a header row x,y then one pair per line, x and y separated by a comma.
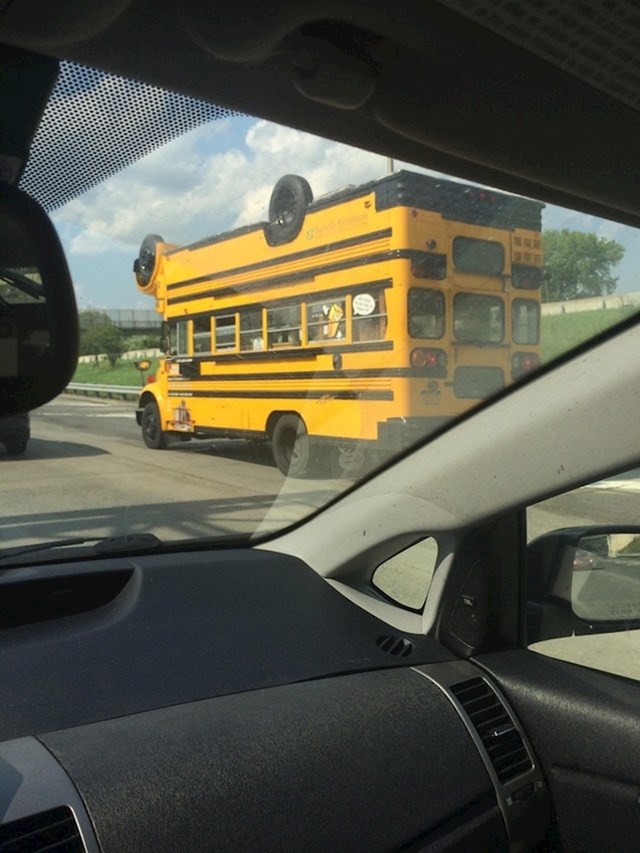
x,y
287,209
145,263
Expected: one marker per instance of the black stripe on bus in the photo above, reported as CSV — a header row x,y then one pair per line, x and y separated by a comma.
x,y
289,395
292,278
318,296
371,237
368,373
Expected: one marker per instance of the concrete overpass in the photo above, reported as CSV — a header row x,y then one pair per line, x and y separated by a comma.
x,y
135,320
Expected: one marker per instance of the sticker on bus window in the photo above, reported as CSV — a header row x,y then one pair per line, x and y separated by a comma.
x,y
363,304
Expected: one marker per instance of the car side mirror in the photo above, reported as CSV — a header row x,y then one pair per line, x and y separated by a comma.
x,y
38,315
584,580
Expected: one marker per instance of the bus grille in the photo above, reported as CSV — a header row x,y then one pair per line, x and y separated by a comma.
x,y
477,382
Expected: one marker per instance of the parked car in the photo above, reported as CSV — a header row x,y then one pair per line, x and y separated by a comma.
x,y
15,431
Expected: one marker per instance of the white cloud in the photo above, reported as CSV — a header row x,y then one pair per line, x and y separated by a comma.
x,y
190,188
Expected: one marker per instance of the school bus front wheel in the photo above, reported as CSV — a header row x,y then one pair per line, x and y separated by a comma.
x,y
151,424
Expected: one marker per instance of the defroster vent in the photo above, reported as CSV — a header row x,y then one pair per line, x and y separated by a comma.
x,y
55,830
496,729
396,646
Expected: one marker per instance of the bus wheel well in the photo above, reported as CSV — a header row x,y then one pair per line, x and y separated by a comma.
x,y
146,397
272,420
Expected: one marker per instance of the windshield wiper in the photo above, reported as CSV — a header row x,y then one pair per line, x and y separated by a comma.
x,y
103,545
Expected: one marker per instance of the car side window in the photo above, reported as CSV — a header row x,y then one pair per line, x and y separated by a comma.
x,y
406,577
583,576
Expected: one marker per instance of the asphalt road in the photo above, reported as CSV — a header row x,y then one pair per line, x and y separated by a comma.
x,y
86,471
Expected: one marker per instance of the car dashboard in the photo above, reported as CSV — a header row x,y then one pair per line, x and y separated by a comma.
x,y
147,716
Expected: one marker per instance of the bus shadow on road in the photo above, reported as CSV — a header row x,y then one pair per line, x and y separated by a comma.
x,y
43,449
237,449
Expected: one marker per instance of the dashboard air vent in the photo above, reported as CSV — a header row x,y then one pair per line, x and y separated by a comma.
x,y
397,646
53,830
496,729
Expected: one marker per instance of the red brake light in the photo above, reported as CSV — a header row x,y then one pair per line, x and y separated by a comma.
x,y
523,362
418,359
424,359
150,378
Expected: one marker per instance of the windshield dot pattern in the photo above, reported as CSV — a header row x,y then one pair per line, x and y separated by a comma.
x,y
95,124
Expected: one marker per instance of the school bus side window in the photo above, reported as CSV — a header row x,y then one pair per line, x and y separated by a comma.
x,y
178,338
251,337
225,332
426,313
369,313
202,334
283,326
325,320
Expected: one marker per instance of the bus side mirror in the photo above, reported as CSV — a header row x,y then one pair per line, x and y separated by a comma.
x,y
38,316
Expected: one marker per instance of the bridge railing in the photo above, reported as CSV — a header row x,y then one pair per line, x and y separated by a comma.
x,y
96,389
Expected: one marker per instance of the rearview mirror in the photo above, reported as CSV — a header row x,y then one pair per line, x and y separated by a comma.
x,y
585,580
38,316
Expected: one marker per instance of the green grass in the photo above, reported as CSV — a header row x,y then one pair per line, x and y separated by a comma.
x,y
124,373
561,332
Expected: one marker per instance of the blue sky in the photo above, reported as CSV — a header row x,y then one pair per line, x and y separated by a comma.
x,y
220,176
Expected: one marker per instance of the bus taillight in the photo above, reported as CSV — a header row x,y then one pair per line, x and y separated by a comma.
x,y
430,362
523,362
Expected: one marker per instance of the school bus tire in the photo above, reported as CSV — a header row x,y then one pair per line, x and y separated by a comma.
x,y
152,433
291,446
145,264
287,209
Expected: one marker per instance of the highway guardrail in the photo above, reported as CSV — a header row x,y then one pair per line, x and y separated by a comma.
x,y
119,392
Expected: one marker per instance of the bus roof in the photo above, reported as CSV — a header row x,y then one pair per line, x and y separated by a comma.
x,y
453,200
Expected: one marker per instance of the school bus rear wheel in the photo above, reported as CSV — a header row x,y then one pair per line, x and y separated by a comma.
x,y
152,433
291,446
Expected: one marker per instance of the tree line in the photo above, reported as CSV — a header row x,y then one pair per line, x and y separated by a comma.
x,y
578,264
99,335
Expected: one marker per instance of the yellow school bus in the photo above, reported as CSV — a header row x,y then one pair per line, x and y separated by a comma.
x,y
361,320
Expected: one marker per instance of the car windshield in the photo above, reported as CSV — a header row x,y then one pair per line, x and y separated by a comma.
x,y
268,316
